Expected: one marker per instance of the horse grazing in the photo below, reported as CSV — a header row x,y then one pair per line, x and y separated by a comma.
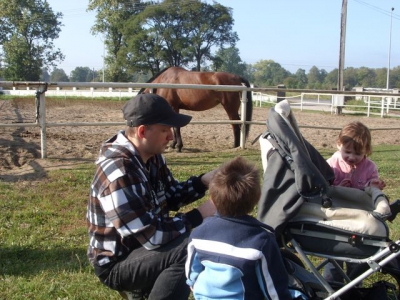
x,y
200,100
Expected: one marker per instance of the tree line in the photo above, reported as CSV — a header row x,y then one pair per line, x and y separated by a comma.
x,y
144,37
264,73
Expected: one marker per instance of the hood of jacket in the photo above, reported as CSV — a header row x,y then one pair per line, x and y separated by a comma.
x,y
117,147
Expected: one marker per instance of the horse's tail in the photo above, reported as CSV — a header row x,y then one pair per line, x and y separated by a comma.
x,y
152,79
249,106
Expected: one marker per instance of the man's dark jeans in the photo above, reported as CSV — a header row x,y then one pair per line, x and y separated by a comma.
x,y
160,272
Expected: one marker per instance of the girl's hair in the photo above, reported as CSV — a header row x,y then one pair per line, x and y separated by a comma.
x,y
356,135
235,188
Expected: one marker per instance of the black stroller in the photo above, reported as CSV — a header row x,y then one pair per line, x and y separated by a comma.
x,y
317,223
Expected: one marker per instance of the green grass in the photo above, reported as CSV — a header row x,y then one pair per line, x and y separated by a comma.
x,y
43,236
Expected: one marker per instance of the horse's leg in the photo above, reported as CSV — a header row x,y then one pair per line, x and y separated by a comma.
x,y
178,139
231,104
236,135
174,141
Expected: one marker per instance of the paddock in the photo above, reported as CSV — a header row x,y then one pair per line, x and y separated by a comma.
x,y
70,129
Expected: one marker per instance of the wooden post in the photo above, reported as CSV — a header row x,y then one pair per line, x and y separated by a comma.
x,y
342,52
280,95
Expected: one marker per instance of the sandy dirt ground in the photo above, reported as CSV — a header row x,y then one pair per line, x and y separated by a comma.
x,y
20,147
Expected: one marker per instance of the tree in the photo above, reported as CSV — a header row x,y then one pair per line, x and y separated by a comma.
x,y
269,73
208,26
45,76
249,72
58,75
301,79
82,74
112,19
158,38
291,82
315,78
381,77
366,77
27,31
331,80
228,60
350,78
395,78
178,33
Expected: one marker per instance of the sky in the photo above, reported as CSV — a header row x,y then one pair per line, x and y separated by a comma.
x,y
294,33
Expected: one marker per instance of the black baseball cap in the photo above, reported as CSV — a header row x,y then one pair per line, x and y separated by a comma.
x,y
148,109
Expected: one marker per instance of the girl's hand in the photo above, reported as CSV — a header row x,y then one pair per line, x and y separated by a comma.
x,y
346,182
380,184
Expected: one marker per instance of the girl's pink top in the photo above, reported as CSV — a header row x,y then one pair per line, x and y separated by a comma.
x,y
361,174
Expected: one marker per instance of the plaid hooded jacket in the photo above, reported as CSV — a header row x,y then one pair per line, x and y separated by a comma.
x,y
130,202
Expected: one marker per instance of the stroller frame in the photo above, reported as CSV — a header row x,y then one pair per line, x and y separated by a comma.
x,y
310,178
375,262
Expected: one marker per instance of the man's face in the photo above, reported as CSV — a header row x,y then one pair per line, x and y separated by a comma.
x,y
157,138
349,155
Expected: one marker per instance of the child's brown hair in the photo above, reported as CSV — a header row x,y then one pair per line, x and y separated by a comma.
x,y
356,135
235,188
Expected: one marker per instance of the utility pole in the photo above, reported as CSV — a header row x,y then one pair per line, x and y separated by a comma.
x,y
340,86
390,44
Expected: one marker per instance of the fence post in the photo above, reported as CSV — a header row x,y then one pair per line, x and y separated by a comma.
x,y
243,119
42,124
368,106
280,95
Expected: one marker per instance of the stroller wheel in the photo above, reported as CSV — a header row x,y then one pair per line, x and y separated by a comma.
x,y
387,275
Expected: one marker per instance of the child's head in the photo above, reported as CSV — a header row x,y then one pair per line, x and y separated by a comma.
x,y
354,142
235,188
357,136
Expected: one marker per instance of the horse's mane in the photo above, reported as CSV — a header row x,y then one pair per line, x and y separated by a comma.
x,y
152,79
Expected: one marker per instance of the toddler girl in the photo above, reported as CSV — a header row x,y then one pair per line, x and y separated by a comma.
x,y
350,163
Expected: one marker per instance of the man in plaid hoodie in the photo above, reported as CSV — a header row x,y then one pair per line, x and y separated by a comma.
x,y
136,246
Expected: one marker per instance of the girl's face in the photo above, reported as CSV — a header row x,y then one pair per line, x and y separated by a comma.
x,y
349,155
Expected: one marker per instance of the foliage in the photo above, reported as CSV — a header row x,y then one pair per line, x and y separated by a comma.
x,y
315,78
58,75
228,60
82,74
269,73
27,31
111,21
148,36
45,76
210,26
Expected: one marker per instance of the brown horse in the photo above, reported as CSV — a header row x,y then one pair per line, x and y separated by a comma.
x,y
200,100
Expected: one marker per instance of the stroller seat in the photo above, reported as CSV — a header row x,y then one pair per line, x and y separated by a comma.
x,y
353,226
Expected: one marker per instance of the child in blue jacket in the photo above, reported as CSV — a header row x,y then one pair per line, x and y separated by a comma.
x,y
232,255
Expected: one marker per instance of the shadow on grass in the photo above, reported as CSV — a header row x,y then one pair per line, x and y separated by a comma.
x,y
23,261
38,169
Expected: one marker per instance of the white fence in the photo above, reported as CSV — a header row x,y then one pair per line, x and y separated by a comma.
x,y
372,104
383,104
76,92
308,99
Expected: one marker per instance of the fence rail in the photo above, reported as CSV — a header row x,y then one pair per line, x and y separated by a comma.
x,y
386,102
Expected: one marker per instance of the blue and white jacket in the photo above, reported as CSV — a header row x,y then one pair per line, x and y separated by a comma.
x,y
235,258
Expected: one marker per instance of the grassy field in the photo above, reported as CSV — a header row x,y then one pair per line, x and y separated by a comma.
x,y
43,236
